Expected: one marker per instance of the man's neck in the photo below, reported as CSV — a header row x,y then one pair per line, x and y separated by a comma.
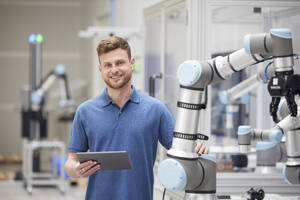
x,y
120,96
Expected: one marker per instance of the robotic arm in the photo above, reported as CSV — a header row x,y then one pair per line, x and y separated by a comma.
x,y
290,127
240,93
237,91
38,96
34,118
184,169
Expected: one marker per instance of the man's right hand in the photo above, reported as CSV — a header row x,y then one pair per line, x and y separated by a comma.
x,y
86,169
75,169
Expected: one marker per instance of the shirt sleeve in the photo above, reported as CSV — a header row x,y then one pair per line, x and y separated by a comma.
x,y
78,140
167,124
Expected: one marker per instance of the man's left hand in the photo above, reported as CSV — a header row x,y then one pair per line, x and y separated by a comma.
x,y
200,148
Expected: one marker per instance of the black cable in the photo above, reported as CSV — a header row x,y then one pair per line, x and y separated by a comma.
x,y
164,193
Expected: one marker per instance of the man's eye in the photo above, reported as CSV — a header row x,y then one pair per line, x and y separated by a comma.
x,y
107,65
120,63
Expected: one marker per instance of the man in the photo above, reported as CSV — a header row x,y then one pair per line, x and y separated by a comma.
x,y
120,119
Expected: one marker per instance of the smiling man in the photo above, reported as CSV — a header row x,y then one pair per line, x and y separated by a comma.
x,y
120,119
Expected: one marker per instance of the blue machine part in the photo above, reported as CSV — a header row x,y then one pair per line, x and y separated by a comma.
x,y
32,38
223,97
189,72
282,32
284,175
247,43
275,135
260,146
244,130
60,69
172,175
55,165
35,98
245,98
210,157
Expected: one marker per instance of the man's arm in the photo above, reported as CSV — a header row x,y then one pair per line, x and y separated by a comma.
x,y
75,169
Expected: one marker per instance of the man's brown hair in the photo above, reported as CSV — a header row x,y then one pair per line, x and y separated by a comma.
x,y
112,43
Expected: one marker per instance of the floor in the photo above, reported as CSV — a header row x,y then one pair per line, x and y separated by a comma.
x,y
13,190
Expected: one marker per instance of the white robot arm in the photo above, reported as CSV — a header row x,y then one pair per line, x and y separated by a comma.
x,y
231,95
184,169
37,96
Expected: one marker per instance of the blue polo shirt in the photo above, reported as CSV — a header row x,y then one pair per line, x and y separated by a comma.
x,y
101,125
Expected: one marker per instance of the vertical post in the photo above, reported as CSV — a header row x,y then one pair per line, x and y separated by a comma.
x,y
35,41
162,52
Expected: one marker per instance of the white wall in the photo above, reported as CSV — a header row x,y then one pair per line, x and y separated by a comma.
x,y
59,21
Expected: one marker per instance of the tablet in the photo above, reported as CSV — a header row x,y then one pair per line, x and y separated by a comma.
x,y
109,160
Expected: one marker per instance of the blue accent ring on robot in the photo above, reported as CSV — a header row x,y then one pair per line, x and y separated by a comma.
x,y
210,157
172,175
35,98
247,43
244,130
282,33
60,69
275,135
189,72
260,146
284,175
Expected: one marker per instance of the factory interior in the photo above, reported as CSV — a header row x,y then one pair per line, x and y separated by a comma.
x,y
244,111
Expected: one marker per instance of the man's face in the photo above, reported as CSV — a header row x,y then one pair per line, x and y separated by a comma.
x,y
116,68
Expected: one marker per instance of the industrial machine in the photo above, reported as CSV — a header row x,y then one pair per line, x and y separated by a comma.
x,y
287,126
267,153
196,174
240,94
34,120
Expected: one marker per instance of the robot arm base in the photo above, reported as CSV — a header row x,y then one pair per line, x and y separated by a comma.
x,y
291,174
193,175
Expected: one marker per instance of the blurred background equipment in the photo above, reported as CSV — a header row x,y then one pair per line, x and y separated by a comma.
x,y
34,120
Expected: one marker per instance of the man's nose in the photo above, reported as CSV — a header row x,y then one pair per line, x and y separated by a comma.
x,y
114,68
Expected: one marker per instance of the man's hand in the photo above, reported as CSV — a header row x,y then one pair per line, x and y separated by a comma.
x,y
86,169
200,148
75,169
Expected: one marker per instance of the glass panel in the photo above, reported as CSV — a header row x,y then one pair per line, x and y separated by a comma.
x,y
152,50
229,25
176,53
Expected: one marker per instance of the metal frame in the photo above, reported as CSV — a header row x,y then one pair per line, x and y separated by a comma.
x,y
31,178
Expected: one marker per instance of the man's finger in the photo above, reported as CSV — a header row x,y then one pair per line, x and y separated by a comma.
x,y
91,171
202,149
197,147
206,150
86,164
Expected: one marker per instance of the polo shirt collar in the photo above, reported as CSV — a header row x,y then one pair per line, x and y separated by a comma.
x,y
107,101
134,95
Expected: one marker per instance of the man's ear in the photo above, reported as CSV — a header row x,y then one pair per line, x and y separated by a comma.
x,y
132,62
